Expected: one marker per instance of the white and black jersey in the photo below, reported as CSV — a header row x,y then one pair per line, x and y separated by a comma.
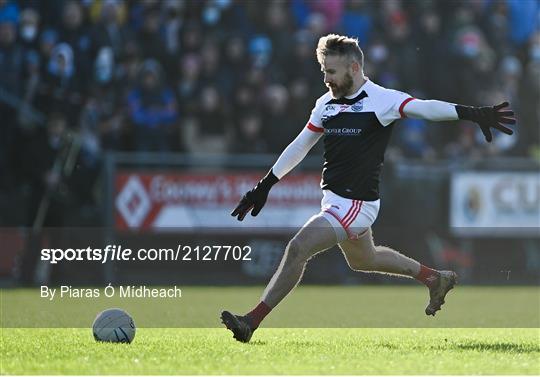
x,y
356,132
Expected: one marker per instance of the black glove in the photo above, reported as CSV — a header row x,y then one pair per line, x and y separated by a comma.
x,y
487,117
255,198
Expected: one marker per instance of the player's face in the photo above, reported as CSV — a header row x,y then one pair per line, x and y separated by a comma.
x,y
337,75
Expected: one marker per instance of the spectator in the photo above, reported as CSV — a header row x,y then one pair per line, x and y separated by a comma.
x,y
300,98
191,38
212,71
76,34
212,131
188,85
523,17
333,11
11,68
110,30
278,29
244,101
47,149
414,141
301,63
235,62
29,29
304,11
149,38
11,58
61,89
9,11
128,67
47,41
530,97
152,109
49,190
403,58
279,129
173,21
475,60
249,137
357,21
27,116
102,117
430,49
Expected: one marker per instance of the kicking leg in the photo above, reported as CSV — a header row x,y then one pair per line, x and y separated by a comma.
x,y
363,255
315,236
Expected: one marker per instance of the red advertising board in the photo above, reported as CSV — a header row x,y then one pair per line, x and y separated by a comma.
x,y
153,201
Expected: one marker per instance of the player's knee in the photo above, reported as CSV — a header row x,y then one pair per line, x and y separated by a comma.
x,y
363,259
361,263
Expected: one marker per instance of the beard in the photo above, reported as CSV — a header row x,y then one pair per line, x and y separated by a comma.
x,y
343,88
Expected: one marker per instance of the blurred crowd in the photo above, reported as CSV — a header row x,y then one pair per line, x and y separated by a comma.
x,y
79,78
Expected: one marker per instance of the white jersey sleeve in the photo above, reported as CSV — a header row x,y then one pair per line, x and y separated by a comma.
x,y
315,119
308,137
393,102
296,151
430,110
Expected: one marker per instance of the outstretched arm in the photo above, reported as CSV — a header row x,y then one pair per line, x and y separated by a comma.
x,y
295,152
486,117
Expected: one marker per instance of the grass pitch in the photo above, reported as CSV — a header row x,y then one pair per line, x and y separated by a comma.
x,y
483,330
275,351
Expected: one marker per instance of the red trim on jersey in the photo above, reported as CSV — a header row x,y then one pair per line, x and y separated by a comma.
x,y
314,128
403,105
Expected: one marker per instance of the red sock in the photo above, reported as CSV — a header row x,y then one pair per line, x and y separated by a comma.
x,y
427,275
257,315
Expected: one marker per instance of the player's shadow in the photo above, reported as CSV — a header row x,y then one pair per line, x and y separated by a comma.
x,y
478,346
301,343
390,346
498,347
258,343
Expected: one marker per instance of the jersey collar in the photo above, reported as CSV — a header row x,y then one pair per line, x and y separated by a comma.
x,y
352,99
360,90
